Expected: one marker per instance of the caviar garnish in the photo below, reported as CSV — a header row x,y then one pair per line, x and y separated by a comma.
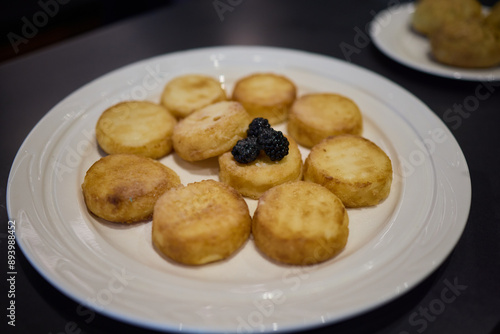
x,y
261,136
274,144
246,150
257,125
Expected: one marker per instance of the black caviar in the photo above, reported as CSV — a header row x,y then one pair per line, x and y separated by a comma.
x,y
256,127
246,150
261,136
274,144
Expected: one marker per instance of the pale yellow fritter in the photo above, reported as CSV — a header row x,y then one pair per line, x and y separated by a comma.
x,y
430,15
313,117
187,93
266,95
200,223
300,223
493,17
352,167
136,127
210,131
470,44
253,179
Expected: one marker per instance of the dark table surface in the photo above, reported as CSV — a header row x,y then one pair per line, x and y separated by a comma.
x,y
32,84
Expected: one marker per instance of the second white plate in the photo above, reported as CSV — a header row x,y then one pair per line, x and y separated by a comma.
x,y
391,32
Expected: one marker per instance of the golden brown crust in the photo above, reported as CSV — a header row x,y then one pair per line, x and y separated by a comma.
x,y
202,222
300,223
470,44
430,15
210,131
493,17
266,95
253,179
313,117
187,93
352,167
136,127
124,188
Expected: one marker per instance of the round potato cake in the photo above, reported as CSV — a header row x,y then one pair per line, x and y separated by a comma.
x,y
300,223
492,19
469,44
266,95
187,93
431,15
210,131
136,127
200,223
352,167
254,178
313,117
123,188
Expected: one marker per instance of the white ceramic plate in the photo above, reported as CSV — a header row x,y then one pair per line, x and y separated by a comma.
x,y
391,32
115,270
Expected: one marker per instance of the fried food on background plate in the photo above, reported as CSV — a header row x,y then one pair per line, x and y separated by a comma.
x,y
493,17
430,15
470,44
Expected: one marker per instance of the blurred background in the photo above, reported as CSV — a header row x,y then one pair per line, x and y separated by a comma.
x,y
50,21
28,25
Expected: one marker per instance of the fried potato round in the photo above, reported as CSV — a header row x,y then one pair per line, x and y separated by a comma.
x,y
253,179
123,188
187,93
202,222
136,127
300,223
352,167
470,44
266,95
493,17
210,131
313,117
430,15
